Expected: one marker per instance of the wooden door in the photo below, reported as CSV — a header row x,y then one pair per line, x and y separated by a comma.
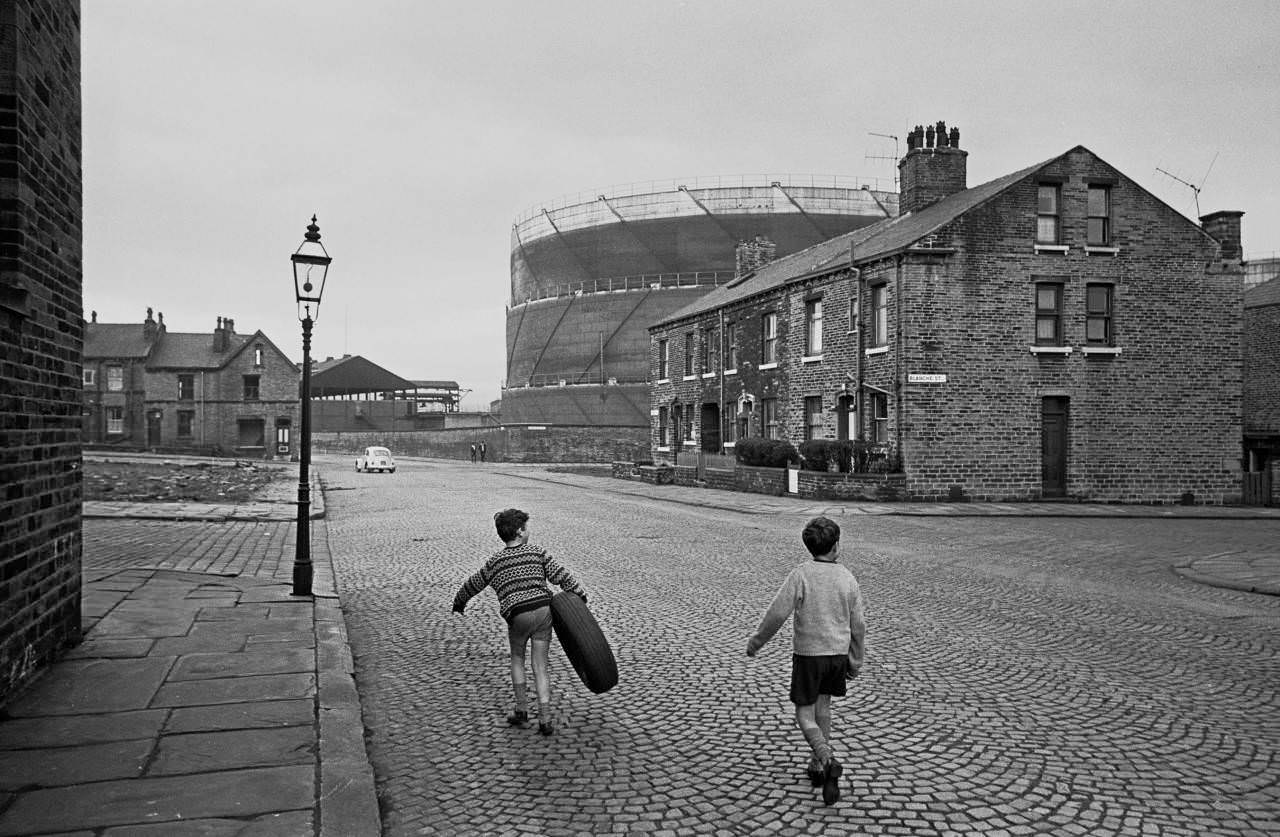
x,y
711,428
1053,446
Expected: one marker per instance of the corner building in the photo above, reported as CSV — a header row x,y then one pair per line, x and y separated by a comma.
x,y
1055,333
590,273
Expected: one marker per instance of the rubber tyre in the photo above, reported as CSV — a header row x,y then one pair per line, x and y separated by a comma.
x,y
583,643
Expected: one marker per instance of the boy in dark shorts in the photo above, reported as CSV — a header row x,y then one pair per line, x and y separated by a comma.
x,y
518,574
828,643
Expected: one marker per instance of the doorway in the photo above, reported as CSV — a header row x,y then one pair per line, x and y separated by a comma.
x,y
153,428
711,428
1054,419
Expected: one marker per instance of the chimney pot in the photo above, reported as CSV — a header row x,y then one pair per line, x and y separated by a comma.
x,y
933,168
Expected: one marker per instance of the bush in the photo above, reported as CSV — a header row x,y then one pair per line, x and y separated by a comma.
x,y
766,453
826,455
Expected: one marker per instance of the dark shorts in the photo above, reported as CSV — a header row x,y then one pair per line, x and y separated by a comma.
x,y
531,624
813,676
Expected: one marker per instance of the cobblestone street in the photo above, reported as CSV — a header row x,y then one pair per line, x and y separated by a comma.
x,y
1025,675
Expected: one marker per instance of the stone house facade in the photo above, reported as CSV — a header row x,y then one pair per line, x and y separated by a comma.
x,y
1262,388
1056,332
148,387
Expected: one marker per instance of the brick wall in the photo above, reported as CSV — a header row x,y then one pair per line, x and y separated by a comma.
x,y
41,336
506,444
1262,369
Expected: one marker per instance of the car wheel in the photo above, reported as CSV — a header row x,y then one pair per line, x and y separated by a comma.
x,y
392,471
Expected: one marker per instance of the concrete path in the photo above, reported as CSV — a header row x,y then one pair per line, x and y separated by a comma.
x,y
209,702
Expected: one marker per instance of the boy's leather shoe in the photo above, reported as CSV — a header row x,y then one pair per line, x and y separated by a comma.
x,y
815,773
518,718
546,727
831,782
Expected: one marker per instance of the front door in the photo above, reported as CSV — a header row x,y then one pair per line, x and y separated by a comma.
x,y
846,416
711,428
153,428
1053,446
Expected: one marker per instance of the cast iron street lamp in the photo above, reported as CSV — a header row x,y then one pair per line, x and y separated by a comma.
x,y
310,266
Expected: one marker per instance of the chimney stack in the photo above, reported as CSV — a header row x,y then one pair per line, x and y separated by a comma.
x,y
934,167
750,255
150,330
1224,227
220,336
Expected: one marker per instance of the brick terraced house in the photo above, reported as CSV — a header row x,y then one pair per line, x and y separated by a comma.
x,y
1055,333
146,387
1262,392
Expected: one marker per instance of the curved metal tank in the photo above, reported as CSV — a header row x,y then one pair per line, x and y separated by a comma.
x,y
590,273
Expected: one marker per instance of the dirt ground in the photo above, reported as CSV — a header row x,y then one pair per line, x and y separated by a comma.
x,y
173,481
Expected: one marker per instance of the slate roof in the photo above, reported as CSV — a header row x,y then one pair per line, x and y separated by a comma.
x,y
1268,293
177,350
877,240
114,340
354,375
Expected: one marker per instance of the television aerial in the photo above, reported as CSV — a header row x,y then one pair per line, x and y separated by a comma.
x,y
1195,190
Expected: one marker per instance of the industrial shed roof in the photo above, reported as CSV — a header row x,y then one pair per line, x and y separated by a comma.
x,y
354,375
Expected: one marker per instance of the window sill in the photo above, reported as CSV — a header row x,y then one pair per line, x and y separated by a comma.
x,y
663,448
1060,249
879,350
762,367
663,381
1050,350
689,378
1101,250
708,375
1105,351
811,359
733,371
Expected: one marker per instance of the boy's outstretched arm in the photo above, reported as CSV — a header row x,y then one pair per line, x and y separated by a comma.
x,y
783,604
469,588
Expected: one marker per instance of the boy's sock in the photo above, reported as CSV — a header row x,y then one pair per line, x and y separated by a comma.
x,y
545,724
818,742
522,698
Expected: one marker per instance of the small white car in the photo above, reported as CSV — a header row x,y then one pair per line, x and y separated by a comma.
x,y
376,459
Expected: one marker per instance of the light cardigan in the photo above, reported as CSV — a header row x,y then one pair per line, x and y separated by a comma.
x,y
827,603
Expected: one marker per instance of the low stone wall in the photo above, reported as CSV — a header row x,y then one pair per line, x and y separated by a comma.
x,y
600,445
720,478
756,480
655,474
827,485
686,475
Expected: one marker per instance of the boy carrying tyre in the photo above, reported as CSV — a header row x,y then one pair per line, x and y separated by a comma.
x,y
828,646
518,574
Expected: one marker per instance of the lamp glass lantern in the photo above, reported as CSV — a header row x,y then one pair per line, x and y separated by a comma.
x,y
310,267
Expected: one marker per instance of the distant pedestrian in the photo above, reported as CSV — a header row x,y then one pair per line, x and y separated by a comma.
x,y
518,574
482,451
473,452
829,631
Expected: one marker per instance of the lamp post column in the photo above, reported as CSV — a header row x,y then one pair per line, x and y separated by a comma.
x,y
302,569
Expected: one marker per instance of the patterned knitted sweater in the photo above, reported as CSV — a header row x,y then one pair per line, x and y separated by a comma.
x,y
519,576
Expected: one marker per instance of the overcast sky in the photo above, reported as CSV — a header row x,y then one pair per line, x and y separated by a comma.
x,y
417,131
